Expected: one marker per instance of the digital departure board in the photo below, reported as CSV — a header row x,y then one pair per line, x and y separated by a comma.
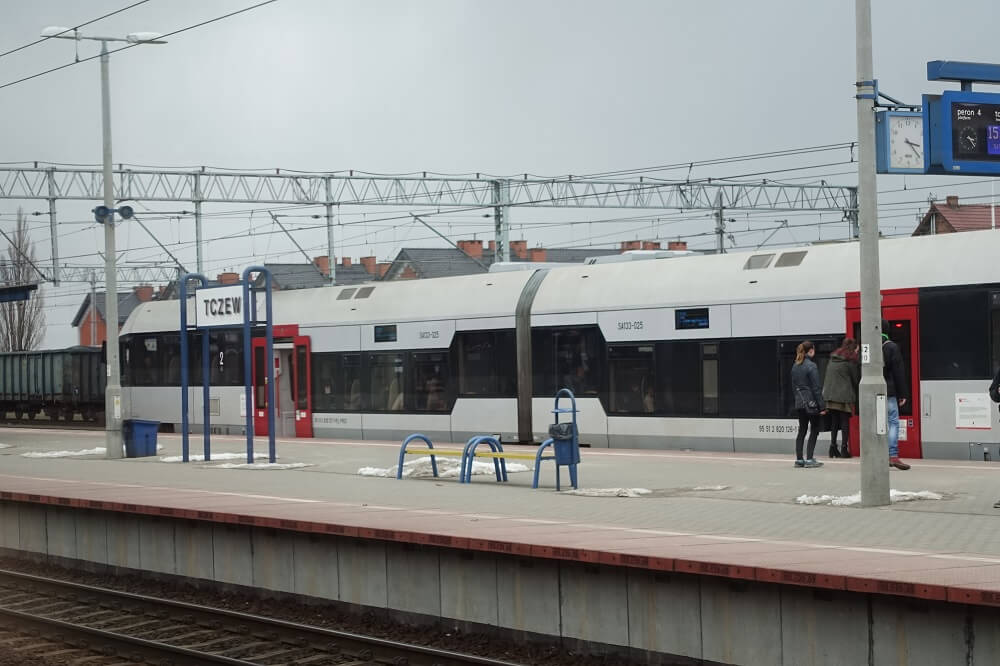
x,y
975,131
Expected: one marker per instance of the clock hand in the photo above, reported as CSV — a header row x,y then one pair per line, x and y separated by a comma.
x,y
913,147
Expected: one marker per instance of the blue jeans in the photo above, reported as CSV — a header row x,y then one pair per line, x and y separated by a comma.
x,y
893,410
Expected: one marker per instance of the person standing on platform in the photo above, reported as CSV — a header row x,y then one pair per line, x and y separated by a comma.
x,y
897,393
840,391
995,397
808,402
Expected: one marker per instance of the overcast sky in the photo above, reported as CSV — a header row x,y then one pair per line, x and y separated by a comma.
x,y
546,88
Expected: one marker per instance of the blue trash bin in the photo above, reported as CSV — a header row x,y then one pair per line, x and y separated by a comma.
x,y
140,437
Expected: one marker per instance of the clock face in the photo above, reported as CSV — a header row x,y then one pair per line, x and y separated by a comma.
x,y
906,142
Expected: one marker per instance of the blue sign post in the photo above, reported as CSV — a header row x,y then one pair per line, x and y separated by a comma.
x,y
226,306
249,320
185,379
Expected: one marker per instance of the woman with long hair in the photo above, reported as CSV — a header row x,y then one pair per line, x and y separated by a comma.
x,y
840,391
809,403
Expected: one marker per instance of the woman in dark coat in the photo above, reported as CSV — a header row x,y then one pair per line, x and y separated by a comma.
x,y
809,403
840,391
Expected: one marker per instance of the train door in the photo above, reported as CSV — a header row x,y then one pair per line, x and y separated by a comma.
x,y
292,387
900,308
302,387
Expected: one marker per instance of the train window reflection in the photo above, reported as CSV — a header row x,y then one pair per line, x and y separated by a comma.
x,y
387,382
631,379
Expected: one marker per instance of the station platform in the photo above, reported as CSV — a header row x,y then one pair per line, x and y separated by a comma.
x,y
717,563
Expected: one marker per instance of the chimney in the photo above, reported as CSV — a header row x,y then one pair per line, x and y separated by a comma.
x,y
369,264
323,264
519,249
473,248
677,245
493,246
952,201
144,292
346,262
650,245
631,245
382,268
228,278
536,254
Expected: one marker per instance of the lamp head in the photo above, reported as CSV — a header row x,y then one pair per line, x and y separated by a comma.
x,y
144,38
59,31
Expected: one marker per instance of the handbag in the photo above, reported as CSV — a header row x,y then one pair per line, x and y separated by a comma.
x,y
810,405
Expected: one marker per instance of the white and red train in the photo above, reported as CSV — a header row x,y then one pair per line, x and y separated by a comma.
x,y
686,352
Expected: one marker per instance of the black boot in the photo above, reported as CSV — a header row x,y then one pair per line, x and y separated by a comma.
x,y
845,451
834,452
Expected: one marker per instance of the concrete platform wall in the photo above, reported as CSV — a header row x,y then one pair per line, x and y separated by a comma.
x,y
694,619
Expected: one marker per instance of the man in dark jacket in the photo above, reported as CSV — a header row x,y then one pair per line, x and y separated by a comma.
x,y
897,392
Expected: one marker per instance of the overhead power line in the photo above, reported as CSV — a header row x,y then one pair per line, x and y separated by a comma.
x,y
74,28
129,46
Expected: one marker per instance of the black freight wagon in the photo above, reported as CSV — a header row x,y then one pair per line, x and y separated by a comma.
x,y
59,383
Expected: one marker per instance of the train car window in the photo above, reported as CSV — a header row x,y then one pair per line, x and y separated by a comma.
x,y
954,334
825,344
123,356
170,352
790,259
758,261
431,388
748,378
345,294
144,360
387,382
568,358
631,379
678,369
710,379
301,378
995,332
336,381
486,363
225,361
260,377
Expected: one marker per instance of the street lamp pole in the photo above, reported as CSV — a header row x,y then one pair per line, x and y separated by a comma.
x,y
872,392
113,390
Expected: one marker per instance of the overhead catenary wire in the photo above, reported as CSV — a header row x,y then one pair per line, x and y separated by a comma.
x,y
73,29
129,46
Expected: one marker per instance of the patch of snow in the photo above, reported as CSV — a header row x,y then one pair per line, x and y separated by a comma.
x,y
99,451
610,492
267,465
855,499
448,468
5,446
710,488
201,458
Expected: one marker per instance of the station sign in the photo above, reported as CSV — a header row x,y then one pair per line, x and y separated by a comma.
x,y
219,306
962,131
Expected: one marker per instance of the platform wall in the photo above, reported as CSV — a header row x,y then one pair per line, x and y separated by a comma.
x,y
700,619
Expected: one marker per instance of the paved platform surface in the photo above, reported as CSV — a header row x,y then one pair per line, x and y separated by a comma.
x,y
718,514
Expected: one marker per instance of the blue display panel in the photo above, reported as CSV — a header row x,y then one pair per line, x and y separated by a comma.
x,y
962,129
691,318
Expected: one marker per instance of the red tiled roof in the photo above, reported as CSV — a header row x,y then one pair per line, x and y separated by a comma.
x,y
963,217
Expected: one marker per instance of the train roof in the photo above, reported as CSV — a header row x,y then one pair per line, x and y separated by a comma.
x,y
486,295
772,274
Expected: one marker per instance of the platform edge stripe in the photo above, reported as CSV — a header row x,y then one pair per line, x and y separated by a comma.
x,y
504,547
801,578
964,595
897,588
715,569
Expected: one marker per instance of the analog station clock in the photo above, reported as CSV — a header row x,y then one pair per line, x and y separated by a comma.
x,y
900,142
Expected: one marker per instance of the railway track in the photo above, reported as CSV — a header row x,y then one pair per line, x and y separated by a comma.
x,y
48,616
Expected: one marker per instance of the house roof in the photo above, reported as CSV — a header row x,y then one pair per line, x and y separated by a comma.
x,y
127,301
450,261
305,276
965,217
